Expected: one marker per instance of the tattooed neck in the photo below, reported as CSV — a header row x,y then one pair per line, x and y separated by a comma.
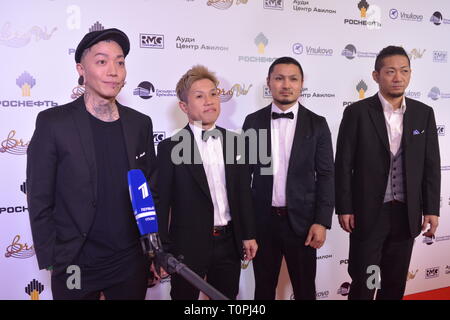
x,y
105,110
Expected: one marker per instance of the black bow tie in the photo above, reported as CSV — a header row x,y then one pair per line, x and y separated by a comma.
x,y
276,115
209,133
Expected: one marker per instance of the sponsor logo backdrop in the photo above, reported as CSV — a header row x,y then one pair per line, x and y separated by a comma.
x,y
335,42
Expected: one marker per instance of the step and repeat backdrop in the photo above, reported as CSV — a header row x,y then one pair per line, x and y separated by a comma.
x,y
335,41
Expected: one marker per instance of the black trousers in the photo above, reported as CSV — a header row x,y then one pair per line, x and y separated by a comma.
x,y
388,246
223,271
133,287
276,241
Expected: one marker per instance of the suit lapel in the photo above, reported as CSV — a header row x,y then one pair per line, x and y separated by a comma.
x,y
377,116
81,118
131,135
265,121
197,170
407,123
229,167
302,132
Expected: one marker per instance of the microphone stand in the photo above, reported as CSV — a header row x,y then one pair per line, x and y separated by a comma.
x,y
153,250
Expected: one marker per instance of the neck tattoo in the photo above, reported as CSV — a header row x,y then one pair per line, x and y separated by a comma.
x,y
102,109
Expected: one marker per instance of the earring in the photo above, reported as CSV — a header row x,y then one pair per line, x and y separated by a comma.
x,y
78,91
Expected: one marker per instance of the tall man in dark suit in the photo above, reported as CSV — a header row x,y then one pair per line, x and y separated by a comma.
x,y
78,158
293,194
204,210
387,179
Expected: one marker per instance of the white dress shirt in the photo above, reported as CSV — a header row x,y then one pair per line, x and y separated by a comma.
x,y
394,122
282,136
211,153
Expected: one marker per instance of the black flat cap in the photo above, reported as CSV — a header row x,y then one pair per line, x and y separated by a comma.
x,y
96,36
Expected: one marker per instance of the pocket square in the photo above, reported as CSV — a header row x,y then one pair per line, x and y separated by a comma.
x,y
141,155
416,132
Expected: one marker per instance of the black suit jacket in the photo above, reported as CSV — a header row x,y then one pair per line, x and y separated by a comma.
x,y
310,184
185,209
62,176
363,162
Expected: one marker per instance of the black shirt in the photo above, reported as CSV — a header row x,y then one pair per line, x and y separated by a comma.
x,y
112,245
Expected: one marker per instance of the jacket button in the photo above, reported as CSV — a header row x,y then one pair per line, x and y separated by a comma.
x,y
84,234
94,204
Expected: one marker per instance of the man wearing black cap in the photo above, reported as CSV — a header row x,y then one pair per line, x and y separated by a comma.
x,y
78,158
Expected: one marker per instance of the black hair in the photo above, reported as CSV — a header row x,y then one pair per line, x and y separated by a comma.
x,y
285,60
388,52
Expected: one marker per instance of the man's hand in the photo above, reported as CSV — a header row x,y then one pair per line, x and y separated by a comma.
x,y
433,221
316,236
158,275
347,222
250,247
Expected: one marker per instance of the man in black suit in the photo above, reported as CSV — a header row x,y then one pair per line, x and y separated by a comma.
x,y
387,178
204,210
293,192
78,159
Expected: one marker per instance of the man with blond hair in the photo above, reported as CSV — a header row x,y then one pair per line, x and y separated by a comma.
x,y
205,210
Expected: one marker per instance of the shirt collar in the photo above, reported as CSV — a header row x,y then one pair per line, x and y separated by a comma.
x,y
387,107
197,131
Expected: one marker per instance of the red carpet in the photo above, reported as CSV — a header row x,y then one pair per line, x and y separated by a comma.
x,y
439,294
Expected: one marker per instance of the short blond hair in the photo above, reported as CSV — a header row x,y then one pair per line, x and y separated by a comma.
x,y
196,73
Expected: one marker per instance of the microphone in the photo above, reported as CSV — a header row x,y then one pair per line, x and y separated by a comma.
x,y
144,212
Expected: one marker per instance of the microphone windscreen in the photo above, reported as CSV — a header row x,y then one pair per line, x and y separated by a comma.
x,y
142,202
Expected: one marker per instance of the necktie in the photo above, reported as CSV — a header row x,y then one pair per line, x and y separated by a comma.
x,y
276,115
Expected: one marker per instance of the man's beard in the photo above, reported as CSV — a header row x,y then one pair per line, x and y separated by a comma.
x,y
284,102
396,95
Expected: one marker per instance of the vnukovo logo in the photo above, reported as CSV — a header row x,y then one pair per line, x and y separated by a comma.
x,y
350,53
190,43
224,4
413,94
298,48
370,16
436,94
146,90
394,14
26,82
438,19
304,6
361,88
261,42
